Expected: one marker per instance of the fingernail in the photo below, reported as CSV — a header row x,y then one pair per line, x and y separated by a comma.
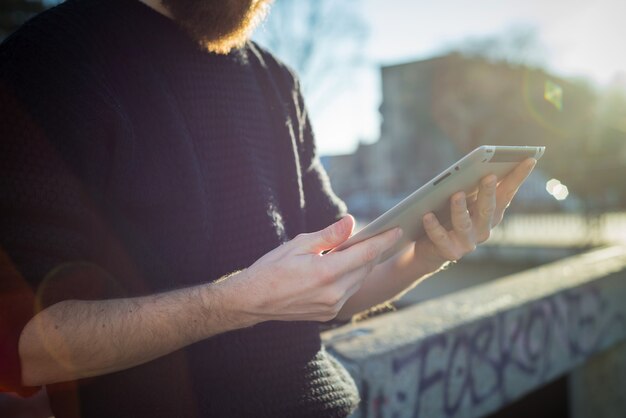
x,y
429,218
343,222
491,181
399,233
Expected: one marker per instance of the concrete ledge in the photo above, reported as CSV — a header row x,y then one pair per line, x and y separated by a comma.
x,y
470,353
598,387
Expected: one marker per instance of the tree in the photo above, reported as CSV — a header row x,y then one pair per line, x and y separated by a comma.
x,y
518,45
320,40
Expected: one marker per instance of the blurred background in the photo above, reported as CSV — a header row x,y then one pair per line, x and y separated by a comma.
x,y
399,89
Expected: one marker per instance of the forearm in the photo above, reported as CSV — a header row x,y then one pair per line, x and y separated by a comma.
x,y
76,339
391,279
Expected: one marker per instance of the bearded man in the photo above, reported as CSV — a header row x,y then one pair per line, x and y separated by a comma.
x,y
164,216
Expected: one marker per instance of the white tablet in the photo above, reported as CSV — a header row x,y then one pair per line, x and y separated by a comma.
x,y
434,196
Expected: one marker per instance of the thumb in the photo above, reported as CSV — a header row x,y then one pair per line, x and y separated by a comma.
x,y
329,237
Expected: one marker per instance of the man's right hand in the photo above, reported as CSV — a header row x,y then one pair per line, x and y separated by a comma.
x,y
83,338
295,282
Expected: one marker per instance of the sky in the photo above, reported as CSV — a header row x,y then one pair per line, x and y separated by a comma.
x,y
580,38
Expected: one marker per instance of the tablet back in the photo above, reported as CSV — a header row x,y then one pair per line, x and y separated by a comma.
x,y
434,196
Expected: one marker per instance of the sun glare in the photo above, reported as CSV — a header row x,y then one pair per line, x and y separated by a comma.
x,y
557,189
553,93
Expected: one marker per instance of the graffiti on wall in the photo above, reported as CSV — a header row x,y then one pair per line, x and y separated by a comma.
x,y
490,360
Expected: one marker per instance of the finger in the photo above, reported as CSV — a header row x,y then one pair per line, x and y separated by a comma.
x,y
356,277
484,208
337,295
326,239
439,236
351,291
509,186
515,178
471,199
362,253
353,281
461,221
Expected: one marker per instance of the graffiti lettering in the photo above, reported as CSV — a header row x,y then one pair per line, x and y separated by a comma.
x,y
477,364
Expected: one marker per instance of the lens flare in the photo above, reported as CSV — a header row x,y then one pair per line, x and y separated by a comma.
x,y
561,192
551,184
537,90
557,189
553,93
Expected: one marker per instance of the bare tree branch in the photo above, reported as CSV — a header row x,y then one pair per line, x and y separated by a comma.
x,y
319,39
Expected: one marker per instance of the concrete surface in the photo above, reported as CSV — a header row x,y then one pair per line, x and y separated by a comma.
x,y
598,387
472,352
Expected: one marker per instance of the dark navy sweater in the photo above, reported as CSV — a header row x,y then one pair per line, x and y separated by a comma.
x,y
133,162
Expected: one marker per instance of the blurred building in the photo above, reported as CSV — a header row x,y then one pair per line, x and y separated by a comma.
x,y
436,110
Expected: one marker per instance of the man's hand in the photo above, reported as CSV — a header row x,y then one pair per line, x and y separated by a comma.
x,y
77,339
472,222
295,282
472,219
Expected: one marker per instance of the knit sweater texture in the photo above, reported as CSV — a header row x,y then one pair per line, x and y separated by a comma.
x,y
134,162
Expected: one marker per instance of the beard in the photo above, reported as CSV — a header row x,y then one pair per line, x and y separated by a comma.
x,y
218,25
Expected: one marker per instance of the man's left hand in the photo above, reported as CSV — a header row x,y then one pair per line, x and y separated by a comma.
x,y
472,218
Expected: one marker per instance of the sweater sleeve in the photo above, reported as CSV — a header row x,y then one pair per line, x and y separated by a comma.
x,y
50,160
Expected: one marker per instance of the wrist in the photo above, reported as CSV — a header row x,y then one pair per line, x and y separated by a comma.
x,y
428,258
226,300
